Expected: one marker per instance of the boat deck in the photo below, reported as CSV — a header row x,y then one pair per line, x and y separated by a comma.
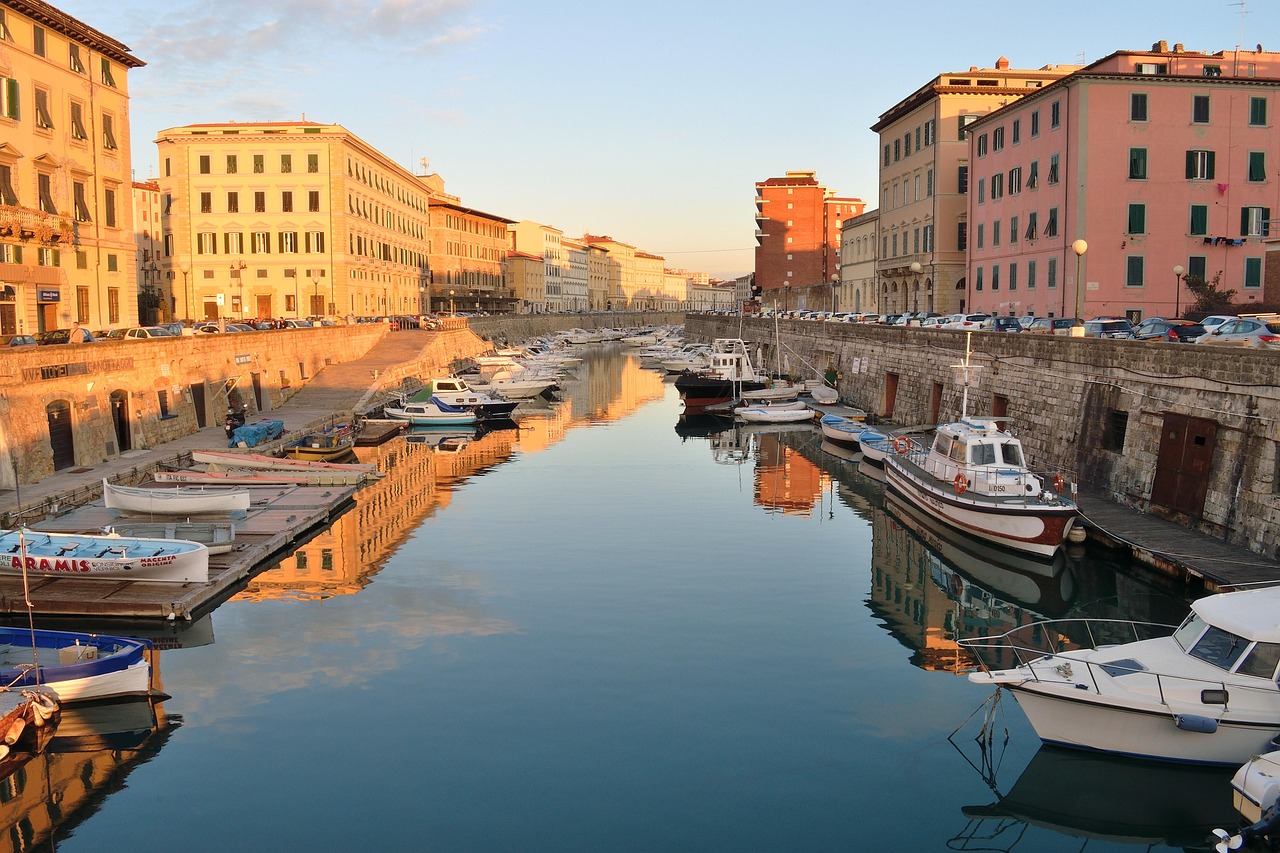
x,y
279,518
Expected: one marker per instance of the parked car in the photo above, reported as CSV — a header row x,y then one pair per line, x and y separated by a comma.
x,y
1213,321
889,319
18,341
1005,324
295,323
1112,327
1026,320
1174,331
1260,332
144,333
1052,325
53,336
932,322
972,322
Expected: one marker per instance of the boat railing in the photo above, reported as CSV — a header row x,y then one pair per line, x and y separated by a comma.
x,y
994,481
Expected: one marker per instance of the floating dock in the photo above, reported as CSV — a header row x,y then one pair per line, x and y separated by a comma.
x,y
279,519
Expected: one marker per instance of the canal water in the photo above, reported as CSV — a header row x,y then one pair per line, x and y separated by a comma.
x,y
611,629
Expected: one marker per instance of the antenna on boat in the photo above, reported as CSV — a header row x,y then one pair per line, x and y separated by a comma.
x,y
965,374
26,595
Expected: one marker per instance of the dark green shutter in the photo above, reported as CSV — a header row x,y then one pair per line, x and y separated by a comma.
x,y
13,111
1191,164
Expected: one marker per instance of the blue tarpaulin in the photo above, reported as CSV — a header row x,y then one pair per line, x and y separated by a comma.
x,y
251,435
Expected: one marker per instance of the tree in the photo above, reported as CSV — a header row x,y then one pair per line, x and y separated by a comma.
x,y
1209,298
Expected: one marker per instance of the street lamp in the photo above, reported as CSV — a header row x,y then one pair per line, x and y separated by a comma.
x,y
1178,270
1079,247
835,277
315,296
236,272
451,311
916,269
184,267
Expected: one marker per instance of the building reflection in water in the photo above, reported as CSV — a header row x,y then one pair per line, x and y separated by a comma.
x,y
785,480
421,478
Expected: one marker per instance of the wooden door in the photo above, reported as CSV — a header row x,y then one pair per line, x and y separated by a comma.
x,y
120,419
61,440
1183,463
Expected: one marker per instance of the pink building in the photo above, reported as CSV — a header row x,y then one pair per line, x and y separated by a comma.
x,y
1164,162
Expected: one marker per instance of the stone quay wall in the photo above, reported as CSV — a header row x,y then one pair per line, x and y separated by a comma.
x,y
514,328
1095,409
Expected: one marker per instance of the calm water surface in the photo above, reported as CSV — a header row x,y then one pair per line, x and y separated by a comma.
x,y
604,632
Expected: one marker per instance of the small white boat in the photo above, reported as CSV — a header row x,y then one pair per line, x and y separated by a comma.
x,y
262,477
106,556
773,391
876,444
76,666
842,430
824,394
774,415
776,405
1201,692
1255,794
455,391
516,386
431,412
173,500
260,461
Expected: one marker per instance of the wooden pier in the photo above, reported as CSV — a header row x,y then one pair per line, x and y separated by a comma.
x,y
279,519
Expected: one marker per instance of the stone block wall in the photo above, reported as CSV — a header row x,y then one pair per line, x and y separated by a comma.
x,y
1095,409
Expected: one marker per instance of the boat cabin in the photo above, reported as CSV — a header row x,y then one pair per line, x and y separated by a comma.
x,y
989,458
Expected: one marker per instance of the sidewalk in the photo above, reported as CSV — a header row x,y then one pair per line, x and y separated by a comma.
x,y
336,390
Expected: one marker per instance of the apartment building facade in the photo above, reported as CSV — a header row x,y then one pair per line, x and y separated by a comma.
x,y
924,182
534,238
859,247
797,256
289,219
576,283
1099,194
66,235
466,253
154,299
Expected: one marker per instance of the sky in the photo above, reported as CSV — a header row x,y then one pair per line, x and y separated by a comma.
x,y
648,121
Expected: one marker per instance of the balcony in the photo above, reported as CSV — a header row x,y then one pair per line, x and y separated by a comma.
x,y
25,223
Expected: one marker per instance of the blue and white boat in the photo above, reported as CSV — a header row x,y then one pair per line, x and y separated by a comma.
x,y
875,444
431,412
842,430
77,667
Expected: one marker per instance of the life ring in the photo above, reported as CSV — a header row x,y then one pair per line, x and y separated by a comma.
x,y
1058,482
961,483
901,444
957,585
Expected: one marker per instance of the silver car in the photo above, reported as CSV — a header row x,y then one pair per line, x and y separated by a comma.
x,y
1261,332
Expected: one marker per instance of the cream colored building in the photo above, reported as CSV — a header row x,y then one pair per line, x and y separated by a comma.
x,y
289,219
621,282
577,277
534,238
153,297
676,286
526,274
649,292
66,234
859,241
924,179
597,277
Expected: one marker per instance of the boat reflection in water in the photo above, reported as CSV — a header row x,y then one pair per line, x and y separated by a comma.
x,y
1104,798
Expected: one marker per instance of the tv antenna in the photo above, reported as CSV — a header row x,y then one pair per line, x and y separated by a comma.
x,y
1243,12
425,163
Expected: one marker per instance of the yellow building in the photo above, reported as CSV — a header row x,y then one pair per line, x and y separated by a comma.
x,y
526,275
289,219
597,277
467,252
66,238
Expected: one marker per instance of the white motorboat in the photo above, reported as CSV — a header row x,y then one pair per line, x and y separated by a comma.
x,y
1202,692
106,556
776,405
431,412
774,415
517,386
174,500
729,375
842,429
455,391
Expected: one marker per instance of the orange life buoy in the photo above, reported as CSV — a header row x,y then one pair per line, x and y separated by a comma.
x,y
957,585
961,483
1058,482
901,444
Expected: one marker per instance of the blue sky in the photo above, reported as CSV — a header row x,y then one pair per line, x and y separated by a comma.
x,y
649,122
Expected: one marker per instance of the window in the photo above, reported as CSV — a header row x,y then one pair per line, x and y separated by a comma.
x,y
995,233
978,282
887,155
928,239
206,243
897,150
929,132
313,200
1013,229
315,241
1196,265
915,241
1200,165
1133,270
1055,114
1031,274
1137,219
1137,106
1258,112
233,202
997,139
9,98
917,139
1199,109
44,185
1138,164
1032,233
965,121
982,190
1051,223
80,202
233,164
1015,180
107,78
233,243
1254,221
286,163
73,59
288,242
1052,177
206,202
1051,274
997,186
43,118
982,145
981,235
995,276
1035,122
204,164
108,133
1013,276
259,166
260,243
37,40
962,180
259,202
906,147
286,201
313,163
1199,220
1033,174
77,121
1257,166
7,194
1253,272
1015,131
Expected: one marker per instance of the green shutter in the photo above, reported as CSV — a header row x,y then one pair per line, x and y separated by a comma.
x,y
1191,164
1266,221
1244,222
1209,173
13,112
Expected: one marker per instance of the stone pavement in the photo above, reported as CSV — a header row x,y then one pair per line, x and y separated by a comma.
x,y
336,390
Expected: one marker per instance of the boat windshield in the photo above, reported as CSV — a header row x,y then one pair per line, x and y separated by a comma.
x,y
1189,631
1220,648
1012,453
982,454
1261,660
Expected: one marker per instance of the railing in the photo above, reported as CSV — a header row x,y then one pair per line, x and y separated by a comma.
x,y
987,483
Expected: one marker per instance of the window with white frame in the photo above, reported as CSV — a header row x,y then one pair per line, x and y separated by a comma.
x,y
1200,165
1255,221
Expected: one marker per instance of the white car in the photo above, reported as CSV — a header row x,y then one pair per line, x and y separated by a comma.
x,y
1215,320
967,321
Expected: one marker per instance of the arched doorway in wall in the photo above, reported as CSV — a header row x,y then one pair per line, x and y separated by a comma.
x,y
61,440
120,420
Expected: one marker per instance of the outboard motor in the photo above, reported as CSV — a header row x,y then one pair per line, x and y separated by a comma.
x,y
235,419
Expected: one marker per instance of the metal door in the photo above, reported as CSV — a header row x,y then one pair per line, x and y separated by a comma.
x,y
61,441
1182,466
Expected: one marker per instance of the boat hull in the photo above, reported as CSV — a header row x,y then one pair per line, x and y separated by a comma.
x,y
842,431
103,557
1022,524
173,500
703,391
261,461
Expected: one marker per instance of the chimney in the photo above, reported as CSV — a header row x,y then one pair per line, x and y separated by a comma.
x,y
1177,48
1002,63
1161,46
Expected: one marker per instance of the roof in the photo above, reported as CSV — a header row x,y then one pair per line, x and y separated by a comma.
x,y
61,22
1251,613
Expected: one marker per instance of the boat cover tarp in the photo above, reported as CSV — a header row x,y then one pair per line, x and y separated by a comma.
x,y
258,432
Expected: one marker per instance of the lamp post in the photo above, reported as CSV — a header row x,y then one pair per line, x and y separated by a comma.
x,y
187,297
451,311
237,268
315,296
1178,270
1079,247
835,277
916,269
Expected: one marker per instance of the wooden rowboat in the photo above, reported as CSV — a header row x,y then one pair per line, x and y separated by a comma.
x,y
263,477
173,500
107,556
231,459
323,445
